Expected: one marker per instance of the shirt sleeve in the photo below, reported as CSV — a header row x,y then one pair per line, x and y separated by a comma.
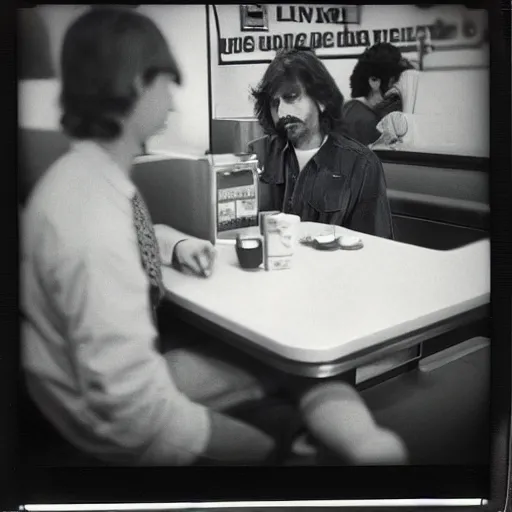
x,y
167,238
132,407
365,130
372,213
388,105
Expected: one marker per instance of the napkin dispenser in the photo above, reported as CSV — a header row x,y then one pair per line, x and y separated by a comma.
x,y
201,196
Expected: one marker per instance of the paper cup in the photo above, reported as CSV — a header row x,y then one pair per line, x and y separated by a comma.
x,y
281,235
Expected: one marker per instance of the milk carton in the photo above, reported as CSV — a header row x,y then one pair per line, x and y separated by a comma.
x,y
280,237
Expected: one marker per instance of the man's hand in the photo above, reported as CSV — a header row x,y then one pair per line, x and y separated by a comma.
x,y
195,255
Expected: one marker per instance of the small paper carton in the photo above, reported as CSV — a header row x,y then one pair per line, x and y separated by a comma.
x,y
280,237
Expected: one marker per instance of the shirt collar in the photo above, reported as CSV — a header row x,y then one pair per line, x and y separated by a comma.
x,y
313,149
288,144
102,163
323,157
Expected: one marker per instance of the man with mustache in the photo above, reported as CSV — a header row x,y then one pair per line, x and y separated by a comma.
x,y
309,166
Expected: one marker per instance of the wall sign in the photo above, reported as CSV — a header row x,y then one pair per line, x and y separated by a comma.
x,y
253,33
253,17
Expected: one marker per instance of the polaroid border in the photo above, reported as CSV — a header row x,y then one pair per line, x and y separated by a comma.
x,y
21,485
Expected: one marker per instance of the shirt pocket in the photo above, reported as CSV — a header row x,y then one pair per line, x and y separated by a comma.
x,y
330,197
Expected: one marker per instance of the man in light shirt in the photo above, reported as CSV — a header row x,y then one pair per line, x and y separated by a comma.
x,y
91,285
90,275
309,166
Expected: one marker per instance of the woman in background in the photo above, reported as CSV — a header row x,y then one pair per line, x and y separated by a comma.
x,y
372,85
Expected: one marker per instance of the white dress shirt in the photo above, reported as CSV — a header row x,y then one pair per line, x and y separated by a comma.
x,y
88,340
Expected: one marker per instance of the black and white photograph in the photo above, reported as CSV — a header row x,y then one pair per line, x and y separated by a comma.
x,y
168,152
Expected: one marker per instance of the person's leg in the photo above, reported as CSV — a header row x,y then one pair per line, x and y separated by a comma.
x,y
249,425
343,426
212,373
207,369
236,443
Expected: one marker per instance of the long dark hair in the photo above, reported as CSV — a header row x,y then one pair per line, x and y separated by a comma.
x,y
103,52
383,61
303,66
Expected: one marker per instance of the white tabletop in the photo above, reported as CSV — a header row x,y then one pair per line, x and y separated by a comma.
x,y
334,304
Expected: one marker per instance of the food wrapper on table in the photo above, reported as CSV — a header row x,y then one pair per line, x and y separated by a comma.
x,y
280,233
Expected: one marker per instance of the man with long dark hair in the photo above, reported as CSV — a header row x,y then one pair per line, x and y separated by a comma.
x,y
309,166
372,85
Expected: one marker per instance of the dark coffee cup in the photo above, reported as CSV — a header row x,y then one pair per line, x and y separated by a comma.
x,y
249,252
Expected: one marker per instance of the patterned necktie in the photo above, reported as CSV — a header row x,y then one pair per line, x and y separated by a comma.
x,y
149,251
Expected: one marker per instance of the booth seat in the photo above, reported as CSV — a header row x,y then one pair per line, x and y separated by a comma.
x,y
441,410
38,149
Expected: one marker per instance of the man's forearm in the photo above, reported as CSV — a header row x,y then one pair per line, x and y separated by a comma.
x,y
168,238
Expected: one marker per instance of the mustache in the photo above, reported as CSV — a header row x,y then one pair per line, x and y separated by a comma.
x,y
281,124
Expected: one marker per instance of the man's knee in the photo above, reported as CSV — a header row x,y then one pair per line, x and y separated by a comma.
x,y
380,447
207,378
339,419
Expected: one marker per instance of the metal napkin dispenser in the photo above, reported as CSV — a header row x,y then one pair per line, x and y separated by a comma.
x,y
203,196
236,191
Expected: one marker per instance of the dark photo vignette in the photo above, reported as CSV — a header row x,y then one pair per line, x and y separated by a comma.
x,y
100,485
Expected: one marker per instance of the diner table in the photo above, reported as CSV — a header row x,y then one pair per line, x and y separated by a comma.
x,y
335,311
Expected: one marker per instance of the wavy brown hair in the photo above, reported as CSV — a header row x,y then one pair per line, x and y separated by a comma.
x,y
303,66
383,61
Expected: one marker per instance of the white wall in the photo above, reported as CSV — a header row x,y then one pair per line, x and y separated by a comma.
x,y
38,107
38,99
57,19
456,92
184,27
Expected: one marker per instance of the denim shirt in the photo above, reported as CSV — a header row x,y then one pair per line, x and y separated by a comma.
x,y
342,184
